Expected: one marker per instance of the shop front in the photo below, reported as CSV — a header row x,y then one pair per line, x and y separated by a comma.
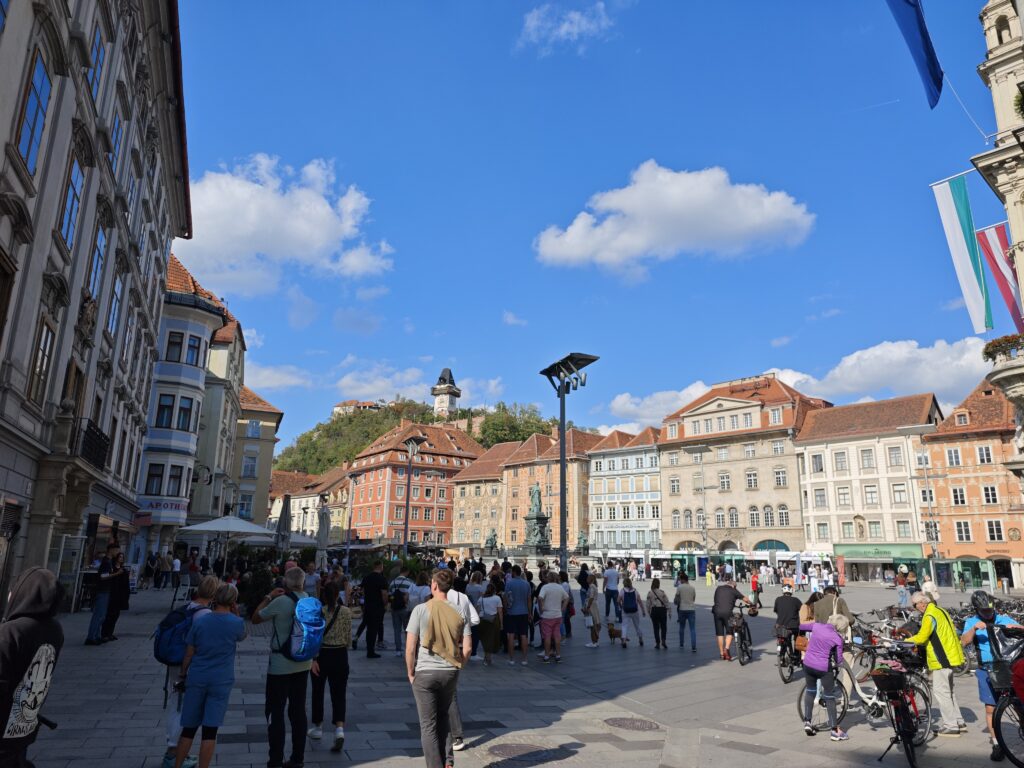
x,y
879,562
966,572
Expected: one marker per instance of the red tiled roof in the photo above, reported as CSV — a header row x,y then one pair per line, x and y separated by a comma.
x,y
287,481
330,479
577,443
614,439
531,449
987,410
650,436
253,402
181,280
489,465
880,417
441,440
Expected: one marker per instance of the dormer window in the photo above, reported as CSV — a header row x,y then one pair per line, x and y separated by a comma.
x,y
962,420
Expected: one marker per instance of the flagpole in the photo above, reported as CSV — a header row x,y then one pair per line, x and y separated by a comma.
x,y
950,178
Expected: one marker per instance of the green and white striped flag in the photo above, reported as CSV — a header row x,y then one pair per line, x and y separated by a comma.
x,y
955,211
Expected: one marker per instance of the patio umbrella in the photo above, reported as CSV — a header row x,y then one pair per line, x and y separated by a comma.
x,y
284,524
229,526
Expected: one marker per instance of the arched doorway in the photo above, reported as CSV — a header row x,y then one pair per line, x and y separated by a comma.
x,y
727,546
1003,571
769,544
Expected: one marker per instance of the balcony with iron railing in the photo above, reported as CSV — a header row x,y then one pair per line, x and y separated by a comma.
x,y
90,443
183,299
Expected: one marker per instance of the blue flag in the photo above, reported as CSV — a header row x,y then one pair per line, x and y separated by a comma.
x,y
909,17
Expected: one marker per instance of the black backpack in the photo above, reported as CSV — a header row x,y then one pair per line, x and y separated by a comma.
x,y
399,600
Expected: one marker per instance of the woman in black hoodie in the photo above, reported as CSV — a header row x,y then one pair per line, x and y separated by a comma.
x,y
30,642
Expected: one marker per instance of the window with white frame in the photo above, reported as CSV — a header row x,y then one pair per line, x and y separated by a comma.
x,y
931,531
902,529
734,517
867,458
751,475
734,422
840,461
698,458
961,420
995,530
724,481
673,431
687,518
984,454
754,517
673,459
953,457
780,478
843,495
720,518
963,530
598,466
695,427
720,424
783,515
673,485
778,447
775,416
895,456
927,496
769,517
847,530
899,493
991,495
749,451
820,499
707,425
823,532
748,420
723,454
871,495
959,497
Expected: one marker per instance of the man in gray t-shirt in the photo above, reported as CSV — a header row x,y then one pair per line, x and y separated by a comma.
x,y
433,677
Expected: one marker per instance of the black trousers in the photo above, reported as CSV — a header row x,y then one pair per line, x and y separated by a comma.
x,y
110,621
659,618
286,692
333,670
374,620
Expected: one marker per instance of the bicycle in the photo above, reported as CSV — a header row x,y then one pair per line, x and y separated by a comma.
x,y
875,700
1008,717
819,711
788,656
895,683
741,638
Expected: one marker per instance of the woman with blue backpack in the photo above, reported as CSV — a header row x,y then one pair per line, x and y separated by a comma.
x,y
632,608
331,665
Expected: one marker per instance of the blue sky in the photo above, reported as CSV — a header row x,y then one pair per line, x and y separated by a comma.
x,y
381,190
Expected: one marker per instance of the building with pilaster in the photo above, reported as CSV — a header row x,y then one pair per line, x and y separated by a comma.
x,y
480,501
862,486
93,188
256,438
625,494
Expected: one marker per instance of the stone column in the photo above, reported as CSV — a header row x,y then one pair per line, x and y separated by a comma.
x,y
1008,375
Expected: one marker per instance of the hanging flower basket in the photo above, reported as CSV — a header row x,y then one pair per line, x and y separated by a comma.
x,y
1003,347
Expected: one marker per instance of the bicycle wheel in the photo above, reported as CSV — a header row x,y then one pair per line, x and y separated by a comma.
x,y
786,665
920,706
861,664
746,649
1008,724
819,712
903,723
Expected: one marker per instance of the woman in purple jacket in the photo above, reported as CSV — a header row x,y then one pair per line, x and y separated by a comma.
x,y
824,647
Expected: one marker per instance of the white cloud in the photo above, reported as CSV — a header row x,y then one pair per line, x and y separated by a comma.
x,y
276,376
426,358
650,410
511,318
348,360
954,304
480,392
548,27
302,310
356,321
372,292
383,381
408,326
781,341
253,338
895,368
664,213
260,219
632,427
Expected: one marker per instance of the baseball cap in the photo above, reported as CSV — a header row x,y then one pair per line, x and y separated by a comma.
x,y
787,589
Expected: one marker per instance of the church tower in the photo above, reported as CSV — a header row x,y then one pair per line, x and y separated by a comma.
x,y
1003,73
446,394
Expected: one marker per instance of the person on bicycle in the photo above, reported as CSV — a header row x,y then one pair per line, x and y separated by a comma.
x,y
787,617
976,631
830,603
824,653
723,602
944,653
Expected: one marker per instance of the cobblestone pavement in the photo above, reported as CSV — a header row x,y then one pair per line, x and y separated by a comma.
x,y
605,707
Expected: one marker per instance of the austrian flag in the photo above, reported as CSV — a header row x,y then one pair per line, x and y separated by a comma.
x,y
994,242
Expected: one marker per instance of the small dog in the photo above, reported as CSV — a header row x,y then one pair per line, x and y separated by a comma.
x,y
613,633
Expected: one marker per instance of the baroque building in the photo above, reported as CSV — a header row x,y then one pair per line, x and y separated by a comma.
x,y
256,435
625,494
729,472
93,188
480,501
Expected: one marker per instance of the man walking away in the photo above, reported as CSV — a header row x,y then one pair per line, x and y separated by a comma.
x,y
30,642
611,591
101,601
398,595
944,652
286,679
176,573
518,605
375,600
437,644
724,601
787,616
686,609
553,601
829,604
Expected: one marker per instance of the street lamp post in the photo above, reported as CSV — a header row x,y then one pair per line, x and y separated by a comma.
x,y
412,447
353,481
563,375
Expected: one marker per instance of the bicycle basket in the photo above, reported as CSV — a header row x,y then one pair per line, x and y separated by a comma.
x,y
735,622
1000,675
888,680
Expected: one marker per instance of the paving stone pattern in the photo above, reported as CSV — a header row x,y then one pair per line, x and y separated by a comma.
x,y
589,710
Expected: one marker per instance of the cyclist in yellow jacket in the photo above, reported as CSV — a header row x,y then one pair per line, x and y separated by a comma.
x,y
944,652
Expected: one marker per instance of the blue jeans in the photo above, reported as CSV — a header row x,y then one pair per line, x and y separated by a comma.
x,y
903,594
398,621
691,618
611,597
99,613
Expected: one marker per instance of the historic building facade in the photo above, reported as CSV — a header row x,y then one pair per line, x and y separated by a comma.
x,y
480,501
256,438
976,500
625,494
380,479
536,462
93,187
191,317
861,484
729,473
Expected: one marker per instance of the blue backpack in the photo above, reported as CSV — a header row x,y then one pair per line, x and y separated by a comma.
x,y
169,637
303,642
629,604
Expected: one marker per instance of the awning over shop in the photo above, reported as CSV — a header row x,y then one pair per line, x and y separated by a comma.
x,y
880,553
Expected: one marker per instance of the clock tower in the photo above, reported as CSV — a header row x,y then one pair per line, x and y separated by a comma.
x,y
446,394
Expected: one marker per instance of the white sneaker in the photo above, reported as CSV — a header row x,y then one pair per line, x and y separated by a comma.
x,y
316,732
475,658
590,645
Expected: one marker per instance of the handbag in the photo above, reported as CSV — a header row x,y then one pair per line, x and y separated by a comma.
x,y
800,643
588,622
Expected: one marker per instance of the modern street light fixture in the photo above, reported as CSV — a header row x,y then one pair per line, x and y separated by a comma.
x,y
700,450
923,461
412,447
565,375
353,481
